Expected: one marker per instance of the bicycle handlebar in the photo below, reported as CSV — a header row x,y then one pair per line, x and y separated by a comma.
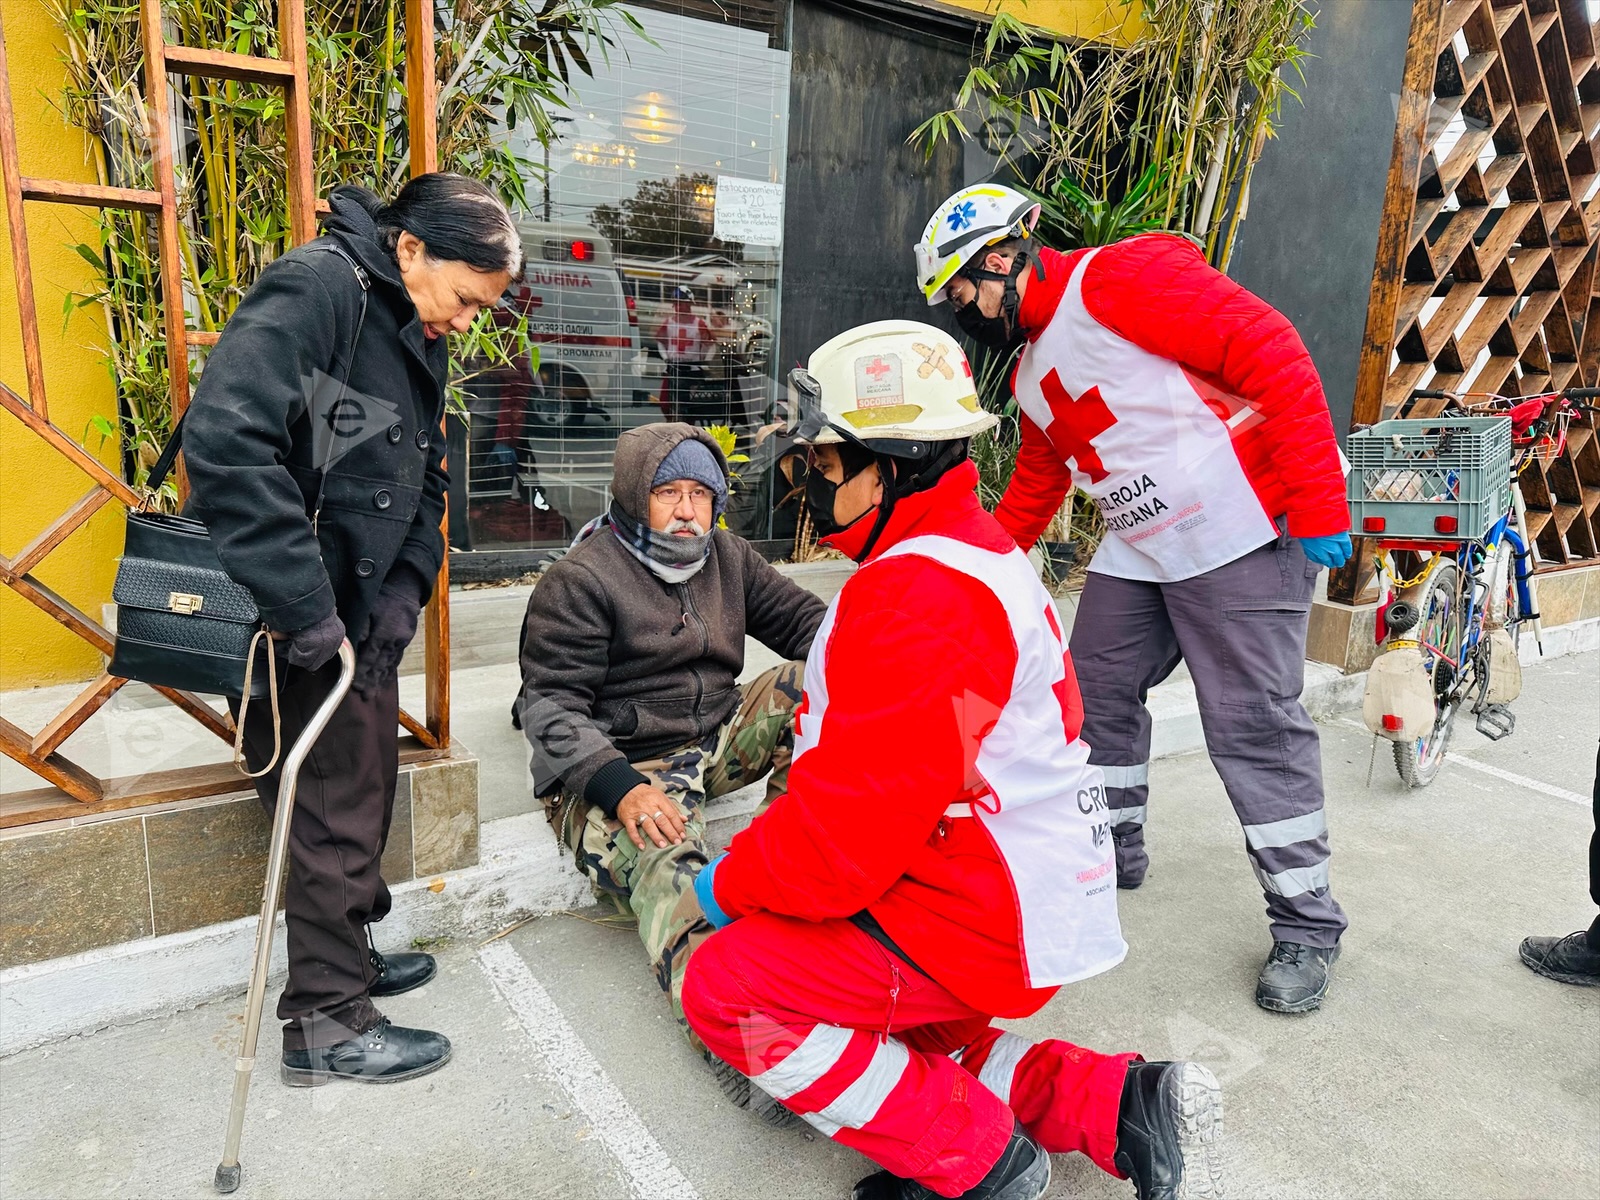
x,y
1573,395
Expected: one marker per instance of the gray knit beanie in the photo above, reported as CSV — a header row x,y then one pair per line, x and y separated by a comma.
x,y
692,459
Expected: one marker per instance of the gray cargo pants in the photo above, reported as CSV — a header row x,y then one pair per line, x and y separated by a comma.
x,y
1242,630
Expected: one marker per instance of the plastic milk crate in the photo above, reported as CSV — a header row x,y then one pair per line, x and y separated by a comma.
x,y
1445,477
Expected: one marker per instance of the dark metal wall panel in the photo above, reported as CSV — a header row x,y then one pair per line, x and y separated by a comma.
x,y
767,16
1308,244
857,195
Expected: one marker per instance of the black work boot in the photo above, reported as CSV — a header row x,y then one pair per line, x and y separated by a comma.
x,y
1168,1131
1570,959
1295,978
1023,1173
403,972
1132,861
383,1054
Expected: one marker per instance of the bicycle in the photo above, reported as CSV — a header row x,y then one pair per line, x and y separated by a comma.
x,y
1442,487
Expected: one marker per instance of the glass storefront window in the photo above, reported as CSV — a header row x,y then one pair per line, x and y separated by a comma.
x,y
652,279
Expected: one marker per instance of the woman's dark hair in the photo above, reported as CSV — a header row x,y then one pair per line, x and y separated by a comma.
x,y
457,218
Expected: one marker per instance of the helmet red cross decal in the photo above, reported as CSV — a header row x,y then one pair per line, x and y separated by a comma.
x,y
877,368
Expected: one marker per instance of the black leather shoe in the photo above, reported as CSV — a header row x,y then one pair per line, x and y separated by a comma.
x,y
1295,978
402,972
384,1054
1023,1173
1569,959
1168,1131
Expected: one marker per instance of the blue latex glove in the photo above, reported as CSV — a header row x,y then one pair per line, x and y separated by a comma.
x,y
704,885
1330,551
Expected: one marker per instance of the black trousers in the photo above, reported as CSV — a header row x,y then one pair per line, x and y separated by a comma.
x,y
343,805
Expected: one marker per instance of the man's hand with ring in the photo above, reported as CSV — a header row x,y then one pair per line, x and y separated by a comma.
x,y
647,811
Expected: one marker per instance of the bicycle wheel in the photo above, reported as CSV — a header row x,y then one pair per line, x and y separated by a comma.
x,y
1439,634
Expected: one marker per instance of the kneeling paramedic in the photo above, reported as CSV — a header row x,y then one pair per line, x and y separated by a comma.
x,y
859,963
1190,412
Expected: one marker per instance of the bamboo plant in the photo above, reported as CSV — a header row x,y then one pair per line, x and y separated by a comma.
x,y
501,65
1163,133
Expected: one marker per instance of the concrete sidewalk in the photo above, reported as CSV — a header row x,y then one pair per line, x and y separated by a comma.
x,y
1440,1067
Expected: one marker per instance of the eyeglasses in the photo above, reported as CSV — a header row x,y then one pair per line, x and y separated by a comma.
x,y
672,495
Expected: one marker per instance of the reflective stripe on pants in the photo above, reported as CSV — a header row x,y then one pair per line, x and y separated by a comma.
x,y
882,1059
1241,630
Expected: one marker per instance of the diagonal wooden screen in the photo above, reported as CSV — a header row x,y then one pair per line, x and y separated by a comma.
x,y
1485,276
41,752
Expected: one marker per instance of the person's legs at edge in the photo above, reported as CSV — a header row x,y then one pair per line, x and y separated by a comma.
x,y
1122,645
865,1048
1574,958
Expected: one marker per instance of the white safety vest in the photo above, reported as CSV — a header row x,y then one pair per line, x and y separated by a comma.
x,y
1046,808
1141,439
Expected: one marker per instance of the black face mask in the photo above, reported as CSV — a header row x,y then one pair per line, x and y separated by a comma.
x,y
821,492
986,331
1002,329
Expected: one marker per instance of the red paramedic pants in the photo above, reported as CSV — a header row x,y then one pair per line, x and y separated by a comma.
x,y
882,1059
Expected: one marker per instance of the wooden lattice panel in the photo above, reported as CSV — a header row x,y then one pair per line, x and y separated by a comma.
x,y
40,752
1485,279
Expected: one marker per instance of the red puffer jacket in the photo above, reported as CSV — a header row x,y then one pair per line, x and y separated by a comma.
x,y
1158,293
916,648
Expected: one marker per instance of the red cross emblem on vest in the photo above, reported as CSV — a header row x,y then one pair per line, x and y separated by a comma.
x,y
1075,422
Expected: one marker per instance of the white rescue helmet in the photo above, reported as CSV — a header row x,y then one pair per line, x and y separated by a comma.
x,y
973,218
893,386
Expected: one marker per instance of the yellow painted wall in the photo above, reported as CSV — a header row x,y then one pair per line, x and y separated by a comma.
x,y
1115,21
36,483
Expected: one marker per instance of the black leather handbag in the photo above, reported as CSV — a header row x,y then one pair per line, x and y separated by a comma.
x,y
182,620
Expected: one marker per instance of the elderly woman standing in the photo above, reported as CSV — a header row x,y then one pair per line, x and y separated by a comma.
x,y
315,451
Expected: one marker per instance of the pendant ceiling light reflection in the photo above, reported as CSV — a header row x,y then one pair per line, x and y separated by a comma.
x,y
652,117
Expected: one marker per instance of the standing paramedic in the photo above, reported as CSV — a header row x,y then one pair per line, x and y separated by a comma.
x,y
1189,410
942,855
316,453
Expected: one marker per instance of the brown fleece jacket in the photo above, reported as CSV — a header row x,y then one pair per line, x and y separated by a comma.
x,y
619,666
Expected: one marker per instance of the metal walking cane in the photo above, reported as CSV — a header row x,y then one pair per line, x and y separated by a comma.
x,y
229,1171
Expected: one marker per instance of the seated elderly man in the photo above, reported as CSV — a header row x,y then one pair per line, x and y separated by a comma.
x,y
630,651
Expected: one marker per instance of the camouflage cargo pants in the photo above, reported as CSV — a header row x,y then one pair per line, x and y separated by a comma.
x,y
657,885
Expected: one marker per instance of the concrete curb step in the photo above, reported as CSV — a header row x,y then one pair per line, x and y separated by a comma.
x,y
520,875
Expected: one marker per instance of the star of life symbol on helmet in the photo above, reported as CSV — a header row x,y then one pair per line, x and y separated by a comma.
x,y
962,215
933,359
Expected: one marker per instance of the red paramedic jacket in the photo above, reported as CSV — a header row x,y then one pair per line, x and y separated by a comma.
x,y
915,645
1157,292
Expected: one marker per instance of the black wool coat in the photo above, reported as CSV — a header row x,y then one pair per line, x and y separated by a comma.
x,y
268,417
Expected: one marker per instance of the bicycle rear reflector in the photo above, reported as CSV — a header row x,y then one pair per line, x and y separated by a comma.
x,y
1373,524
1392,722
1445,525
